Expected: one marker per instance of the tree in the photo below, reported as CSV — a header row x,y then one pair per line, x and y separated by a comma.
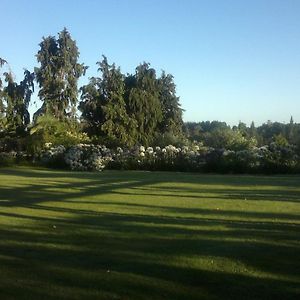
x,y
2,106
58,74
290,134
143,102
17,97
104,108
171,110
14,101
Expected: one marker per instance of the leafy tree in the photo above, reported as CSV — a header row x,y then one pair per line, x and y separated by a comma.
x,y
227,138
193,131
269,130
136,108
280,140
49,129
58,74
198,131
242,128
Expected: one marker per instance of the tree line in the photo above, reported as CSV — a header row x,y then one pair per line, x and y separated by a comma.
x,y
116,109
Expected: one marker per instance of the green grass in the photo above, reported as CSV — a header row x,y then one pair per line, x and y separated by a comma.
x,y
142,235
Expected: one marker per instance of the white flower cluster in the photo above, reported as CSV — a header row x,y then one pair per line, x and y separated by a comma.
x,y
187,158
52,153
85,157
169,150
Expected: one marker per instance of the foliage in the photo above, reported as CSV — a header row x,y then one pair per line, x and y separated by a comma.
x,y
58,74
143,102
17,98
49,129
128,113
194,158
104,108
131,109
171,122
84,157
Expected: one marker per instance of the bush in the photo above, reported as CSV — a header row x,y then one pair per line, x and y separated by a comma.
x,y
87,157
194,158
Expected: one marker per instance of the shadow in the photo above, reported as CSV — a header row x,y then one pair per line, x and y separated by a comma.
x,y
99,236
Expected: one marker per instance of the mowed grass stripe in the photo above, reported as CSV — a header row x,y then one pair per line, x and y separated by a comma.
x,y
148,235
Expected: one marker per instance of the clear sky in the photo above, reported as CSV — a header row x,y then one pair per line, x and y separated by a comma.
x,y
232,59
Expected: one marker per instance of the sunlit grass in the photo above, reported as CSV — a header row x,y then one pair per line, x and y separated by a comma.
x,y
142,235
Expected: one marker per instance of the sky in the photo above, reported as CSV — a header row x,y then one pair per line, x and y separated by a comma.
x,y
232,60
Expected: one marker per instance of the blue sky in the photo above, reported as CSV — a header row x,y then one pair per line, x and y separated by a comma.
x,y
232,60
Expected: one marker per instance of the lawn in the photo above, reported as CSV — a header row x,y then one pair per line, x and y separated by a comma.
x,y
142,235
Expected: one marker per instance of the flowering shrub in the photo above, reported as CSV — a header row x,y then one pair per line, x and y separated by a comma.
x,y
85,157
53,155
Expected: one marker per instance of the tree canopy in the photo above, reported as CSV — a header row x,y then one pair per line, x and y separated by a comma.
x,y
58,74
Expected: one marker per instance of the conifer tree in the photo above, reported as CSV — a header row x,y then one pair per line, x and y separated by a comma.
x,y
17,98
171,111
58,74
2,106
104,108
143,102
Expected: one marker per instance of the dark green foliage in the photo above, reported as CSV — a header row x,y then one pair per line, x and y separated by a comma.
x,y
171,111
58,74
50,130
132,109
2,100
17,98
195,130
104,109
14,102
143,102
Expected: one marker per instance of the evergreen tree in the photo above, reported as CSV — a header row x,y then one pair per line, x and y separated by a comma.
x,y
143,102
58,74
17,97
290,135
252,130
2,106
91,107
104,108
171,110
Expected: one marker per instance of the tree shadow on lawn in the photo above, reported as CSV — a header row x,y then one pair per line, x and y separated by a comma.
x,y
106,255
110,182
223,194
147,261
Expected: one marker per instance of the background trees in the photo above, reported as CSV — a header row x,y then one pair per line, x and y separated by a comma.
x,y
117,109
130,109
104,109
